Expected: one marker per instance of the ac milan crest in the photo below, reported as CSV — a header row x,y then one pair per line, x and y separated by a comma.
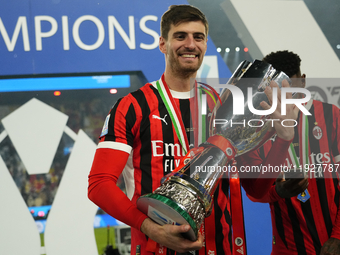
x,y
317,132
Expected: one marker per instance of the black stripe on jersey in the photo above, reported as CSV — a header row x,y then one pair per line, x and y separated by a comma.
x,y
112,137
328,113
329,118
324,205
145,134
227,217
130,121
219,237
298,237
307,213
184,106
325,110
230,234
306,207
218,226
334,176
279,223
336,187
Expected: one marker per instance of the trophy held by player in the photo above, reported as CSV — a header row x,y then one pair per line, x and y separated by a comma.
x,y
185,195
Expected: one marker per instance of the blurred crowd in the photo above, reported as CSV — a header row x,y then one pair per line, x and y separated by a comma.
x,y
40,189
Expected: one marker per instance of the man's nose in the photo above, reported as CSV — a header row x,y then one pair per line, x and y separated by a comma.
x,y
190,42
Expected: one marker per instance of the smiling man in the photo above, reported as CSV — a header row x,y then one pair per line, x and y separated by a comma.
x,y
140,125
145,135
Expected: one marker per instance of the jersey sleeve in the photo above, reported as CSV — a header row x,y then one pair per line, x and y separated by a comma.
x,y
260,185
120,123
116,142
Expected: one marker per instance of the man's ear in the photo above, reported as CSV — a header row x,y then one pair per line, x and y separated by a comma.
x,y
303,80
162,44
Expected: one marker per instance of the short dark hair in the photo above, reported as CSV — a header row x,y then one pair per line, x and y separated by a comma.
x,y
285,61
177,14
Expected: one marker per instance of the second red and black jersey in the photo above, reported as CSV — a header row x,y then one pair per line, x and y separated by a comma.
x,y
303,227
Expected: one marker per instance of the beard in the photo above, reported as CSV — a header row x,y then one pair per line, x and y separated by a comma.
x,y
182,69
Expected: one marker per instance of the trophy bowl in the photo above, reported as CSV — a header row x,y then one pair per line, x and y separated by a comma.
x,y
185,195
254,131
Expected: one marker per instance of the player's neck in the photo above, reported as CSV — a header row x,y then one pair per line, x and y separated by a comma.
x,y
179,83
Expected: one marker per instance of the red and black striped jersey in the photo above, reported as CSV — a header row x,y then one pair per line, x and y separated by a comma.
x,y
139,124
139,141
303,227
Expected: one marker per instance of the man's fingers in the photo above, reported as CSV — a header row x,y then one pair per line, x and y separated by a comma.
x,y
273,86
269,93
173,239
285,84
182,228
298,185
295,175
189,246
296,181
280,178
200,238
265,105
304,183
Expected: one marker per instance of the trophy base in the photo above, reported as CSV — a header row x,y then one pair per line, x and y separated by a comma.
x,y
163,211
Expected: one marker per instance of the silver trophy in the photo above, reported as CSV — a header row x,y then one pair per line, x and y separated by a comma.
x,y
185,195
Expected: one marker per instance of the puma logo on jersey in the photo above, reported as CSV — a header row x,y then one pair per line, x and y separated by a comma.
x,y
159,118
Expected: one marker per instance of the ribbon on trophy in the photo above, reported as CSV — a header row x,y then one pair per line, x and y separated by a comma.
x,y
237,219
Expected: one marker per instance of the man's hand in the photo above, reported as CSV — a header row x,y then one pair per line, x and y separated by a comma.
x,y
331,247
285,132
290,187
170,236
